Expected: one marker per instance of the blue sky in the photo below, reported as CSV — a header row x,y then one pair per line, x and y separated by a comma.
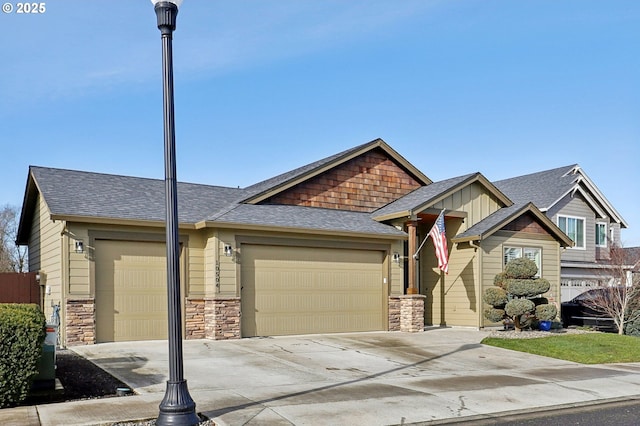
x,y
263,86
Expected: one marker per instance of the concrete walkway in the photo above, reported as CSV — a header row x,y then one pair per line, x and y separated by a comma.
x,y
377,378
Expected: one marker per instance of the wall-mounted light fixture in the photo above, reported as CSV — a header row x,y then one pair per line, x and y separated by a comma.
x,y
396,257
79,246
228,250
38,277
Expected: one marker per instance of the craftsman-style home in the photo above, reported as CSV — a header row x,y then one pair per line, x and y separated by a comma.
x,y
333,246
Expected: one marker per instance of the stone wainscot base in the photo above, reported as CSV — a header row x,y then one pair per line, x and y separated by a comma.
x,y
406,313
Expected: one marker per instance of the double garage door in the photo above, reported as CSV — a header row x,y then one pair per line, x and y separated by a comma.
x,y
285,290
131,291
302,290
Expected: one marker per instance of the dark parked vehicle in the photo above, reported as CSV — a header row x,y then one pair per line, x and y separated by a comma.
x,y
579,311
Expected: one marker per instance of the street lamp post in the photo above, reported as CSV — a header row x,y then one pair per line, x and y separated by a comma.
x,y
177,407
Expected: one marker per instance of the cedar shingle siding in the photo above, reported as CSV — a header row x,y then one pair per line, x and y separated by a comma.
x,y
527,224
363,184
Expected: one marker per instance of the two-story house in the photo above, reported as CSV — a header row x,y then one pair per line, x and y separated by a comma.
x,y
574,203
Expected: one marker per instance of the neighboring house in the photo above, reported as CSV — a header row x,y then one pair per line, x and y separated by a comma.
x,y
632,259
324,248
573,202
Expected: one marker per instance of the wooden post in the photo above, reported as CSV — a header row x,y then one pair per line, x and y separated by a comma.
x,y
412,287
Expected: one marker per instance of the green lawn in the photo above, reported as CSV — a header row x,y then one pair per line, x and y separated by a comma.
x,y
592,348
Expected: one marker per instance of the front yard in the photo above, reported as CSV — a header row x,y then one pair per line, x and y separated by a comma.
x,y
590,348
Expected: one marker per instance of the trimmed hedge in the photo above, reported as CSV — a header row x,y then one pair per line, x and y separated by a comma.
x,y
22,332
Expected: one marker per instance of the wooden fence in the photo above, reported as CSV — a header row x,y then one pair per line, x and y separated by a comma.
x,y
19,288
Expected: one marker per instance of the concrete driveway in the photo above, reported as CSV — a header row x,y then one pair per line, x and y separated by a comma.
x,y
364,378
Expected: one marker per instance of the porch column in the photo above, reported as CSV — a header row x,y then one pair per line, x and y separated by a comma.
x,y
412,285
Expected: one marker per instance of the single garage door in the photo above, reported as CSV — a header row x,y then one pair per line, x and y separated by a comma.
x,y
131,291
300,290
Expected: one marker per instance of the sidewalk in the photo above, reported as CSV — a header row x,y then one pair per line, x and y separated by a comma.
x,y
439,376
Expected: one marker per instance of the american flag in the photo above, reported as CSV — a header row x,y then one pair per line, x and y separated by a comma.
x,y
439,238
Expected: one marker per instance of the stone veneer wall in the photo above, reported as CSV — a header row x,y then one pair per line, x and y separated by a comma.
x,y
80,323
406,313
194,318
394,313
222,318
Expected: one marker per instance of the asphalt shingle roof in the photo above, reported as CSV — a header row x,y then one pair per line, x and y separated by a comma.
x,y
420,196
542,188
86,194
491,221
307,218
77,193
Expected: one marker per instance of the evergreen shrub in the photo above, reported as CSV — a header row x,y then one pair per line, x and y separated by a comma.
x,y
22,332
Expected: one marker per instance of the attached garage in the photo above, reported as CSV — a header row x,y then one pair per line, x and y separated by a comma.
x,y
302,290
131,291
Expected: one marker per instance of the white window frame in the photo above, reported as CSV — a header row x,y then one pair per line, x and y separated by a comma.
x,y
584,230
604,233
522,249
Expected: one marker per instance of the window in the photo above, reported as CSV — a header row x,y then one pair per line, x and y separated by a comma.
x,y
601,234
574,228
533,253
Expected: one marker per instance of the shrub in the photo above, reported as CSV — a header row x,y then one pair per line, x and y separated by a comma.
x,y
494,314
518,307
521,268
546,312
521,287
632,328
22,332
495,296
500,280
515,291
539,301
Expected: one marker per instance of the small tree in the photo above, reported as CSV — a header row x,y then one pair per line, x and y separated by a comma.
x,y
620,291
515,296
12,256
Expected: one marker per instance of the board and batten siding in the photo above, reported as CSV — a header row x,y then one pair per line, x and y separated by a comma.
x,y
576,206
474,200
492,256
452,298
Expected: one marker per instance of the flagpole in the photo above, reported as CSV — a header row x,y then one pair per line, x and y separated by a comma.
x,y
415,255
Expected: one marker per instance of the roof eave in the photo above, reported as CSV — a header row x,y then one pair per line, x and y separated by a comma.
x,y
291,229
117,221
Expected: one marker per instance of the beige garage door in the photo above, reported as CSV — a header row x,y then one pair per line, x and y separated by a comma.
x,y
131,291
299,290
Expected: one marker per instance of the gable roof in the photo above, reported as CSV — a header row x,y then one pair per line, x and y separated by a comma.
x,y
85,196
95,197
548,187
426,196
503,217
632,257
275,185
